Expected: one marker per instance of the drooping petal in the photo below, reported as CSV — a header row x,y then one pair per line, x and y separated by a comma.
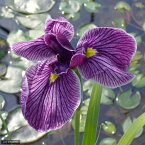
x,y
64,49
114,43
49,105
60,26
33,50
102,70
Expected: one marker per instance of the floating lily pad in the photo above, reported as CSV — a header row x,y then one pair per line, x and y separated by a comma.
x,y
121,6
126,125
3,70
33,21
2,102
139,81
85,27
13,81
30,6
119,23
109,127
6,12
15,120
87,87
127,100
68,7
92,7
26,134
108,141
139,5
16,36
108,96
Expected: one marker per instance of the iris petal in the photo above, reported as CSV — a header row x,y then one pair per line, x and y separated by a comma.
x,y
101,69
111,42
49,105
60,26
33,50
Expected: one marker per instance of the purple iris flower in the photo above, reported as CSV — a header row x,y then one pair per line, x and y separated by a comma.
x,y
51,89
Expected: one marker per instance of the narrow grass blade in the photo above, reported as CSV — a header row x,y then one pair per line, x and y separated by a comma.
x,y
77,115
92,116
128,137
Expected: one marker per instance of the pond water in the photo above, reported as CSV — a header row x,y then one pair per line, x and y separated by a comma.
x,y
104,18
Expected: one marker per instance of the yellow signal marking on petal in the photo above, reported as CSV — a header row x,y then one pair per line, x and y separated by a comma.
x,y
90,52
53,77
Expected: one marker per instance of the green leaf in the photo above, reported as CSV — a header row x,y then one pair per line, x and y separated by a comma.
x,y
139,5
3,70
30,6
119,23
108,141
6,12
16,36
128,101
139,81
109,127
128,137
90,131
92,7
33,21
122,6
2,102
69,7
107,96
26,134
85,28
127,123
13,81
15,120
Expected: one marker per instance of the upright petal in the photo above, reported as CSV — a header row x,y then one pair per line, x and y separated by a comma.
x,y
60,26
101,69
33,50
113,43
48,105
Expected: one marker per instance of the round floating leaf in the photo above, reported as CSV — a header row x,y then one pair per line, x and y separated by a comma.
x,y
126,125
85,27
139,81
3,70
22,63
107,96
33,21
15,120
13,81
2,102
33,34
26,134
119,23
109,127
139,5
68,7
108,141
6,12
121,6
16,36
92,7
128,101
30,6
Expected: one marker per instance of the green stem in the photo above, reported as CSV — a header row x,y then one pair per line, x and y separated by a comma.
x,y
91,124
5,126
77,115
128,137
